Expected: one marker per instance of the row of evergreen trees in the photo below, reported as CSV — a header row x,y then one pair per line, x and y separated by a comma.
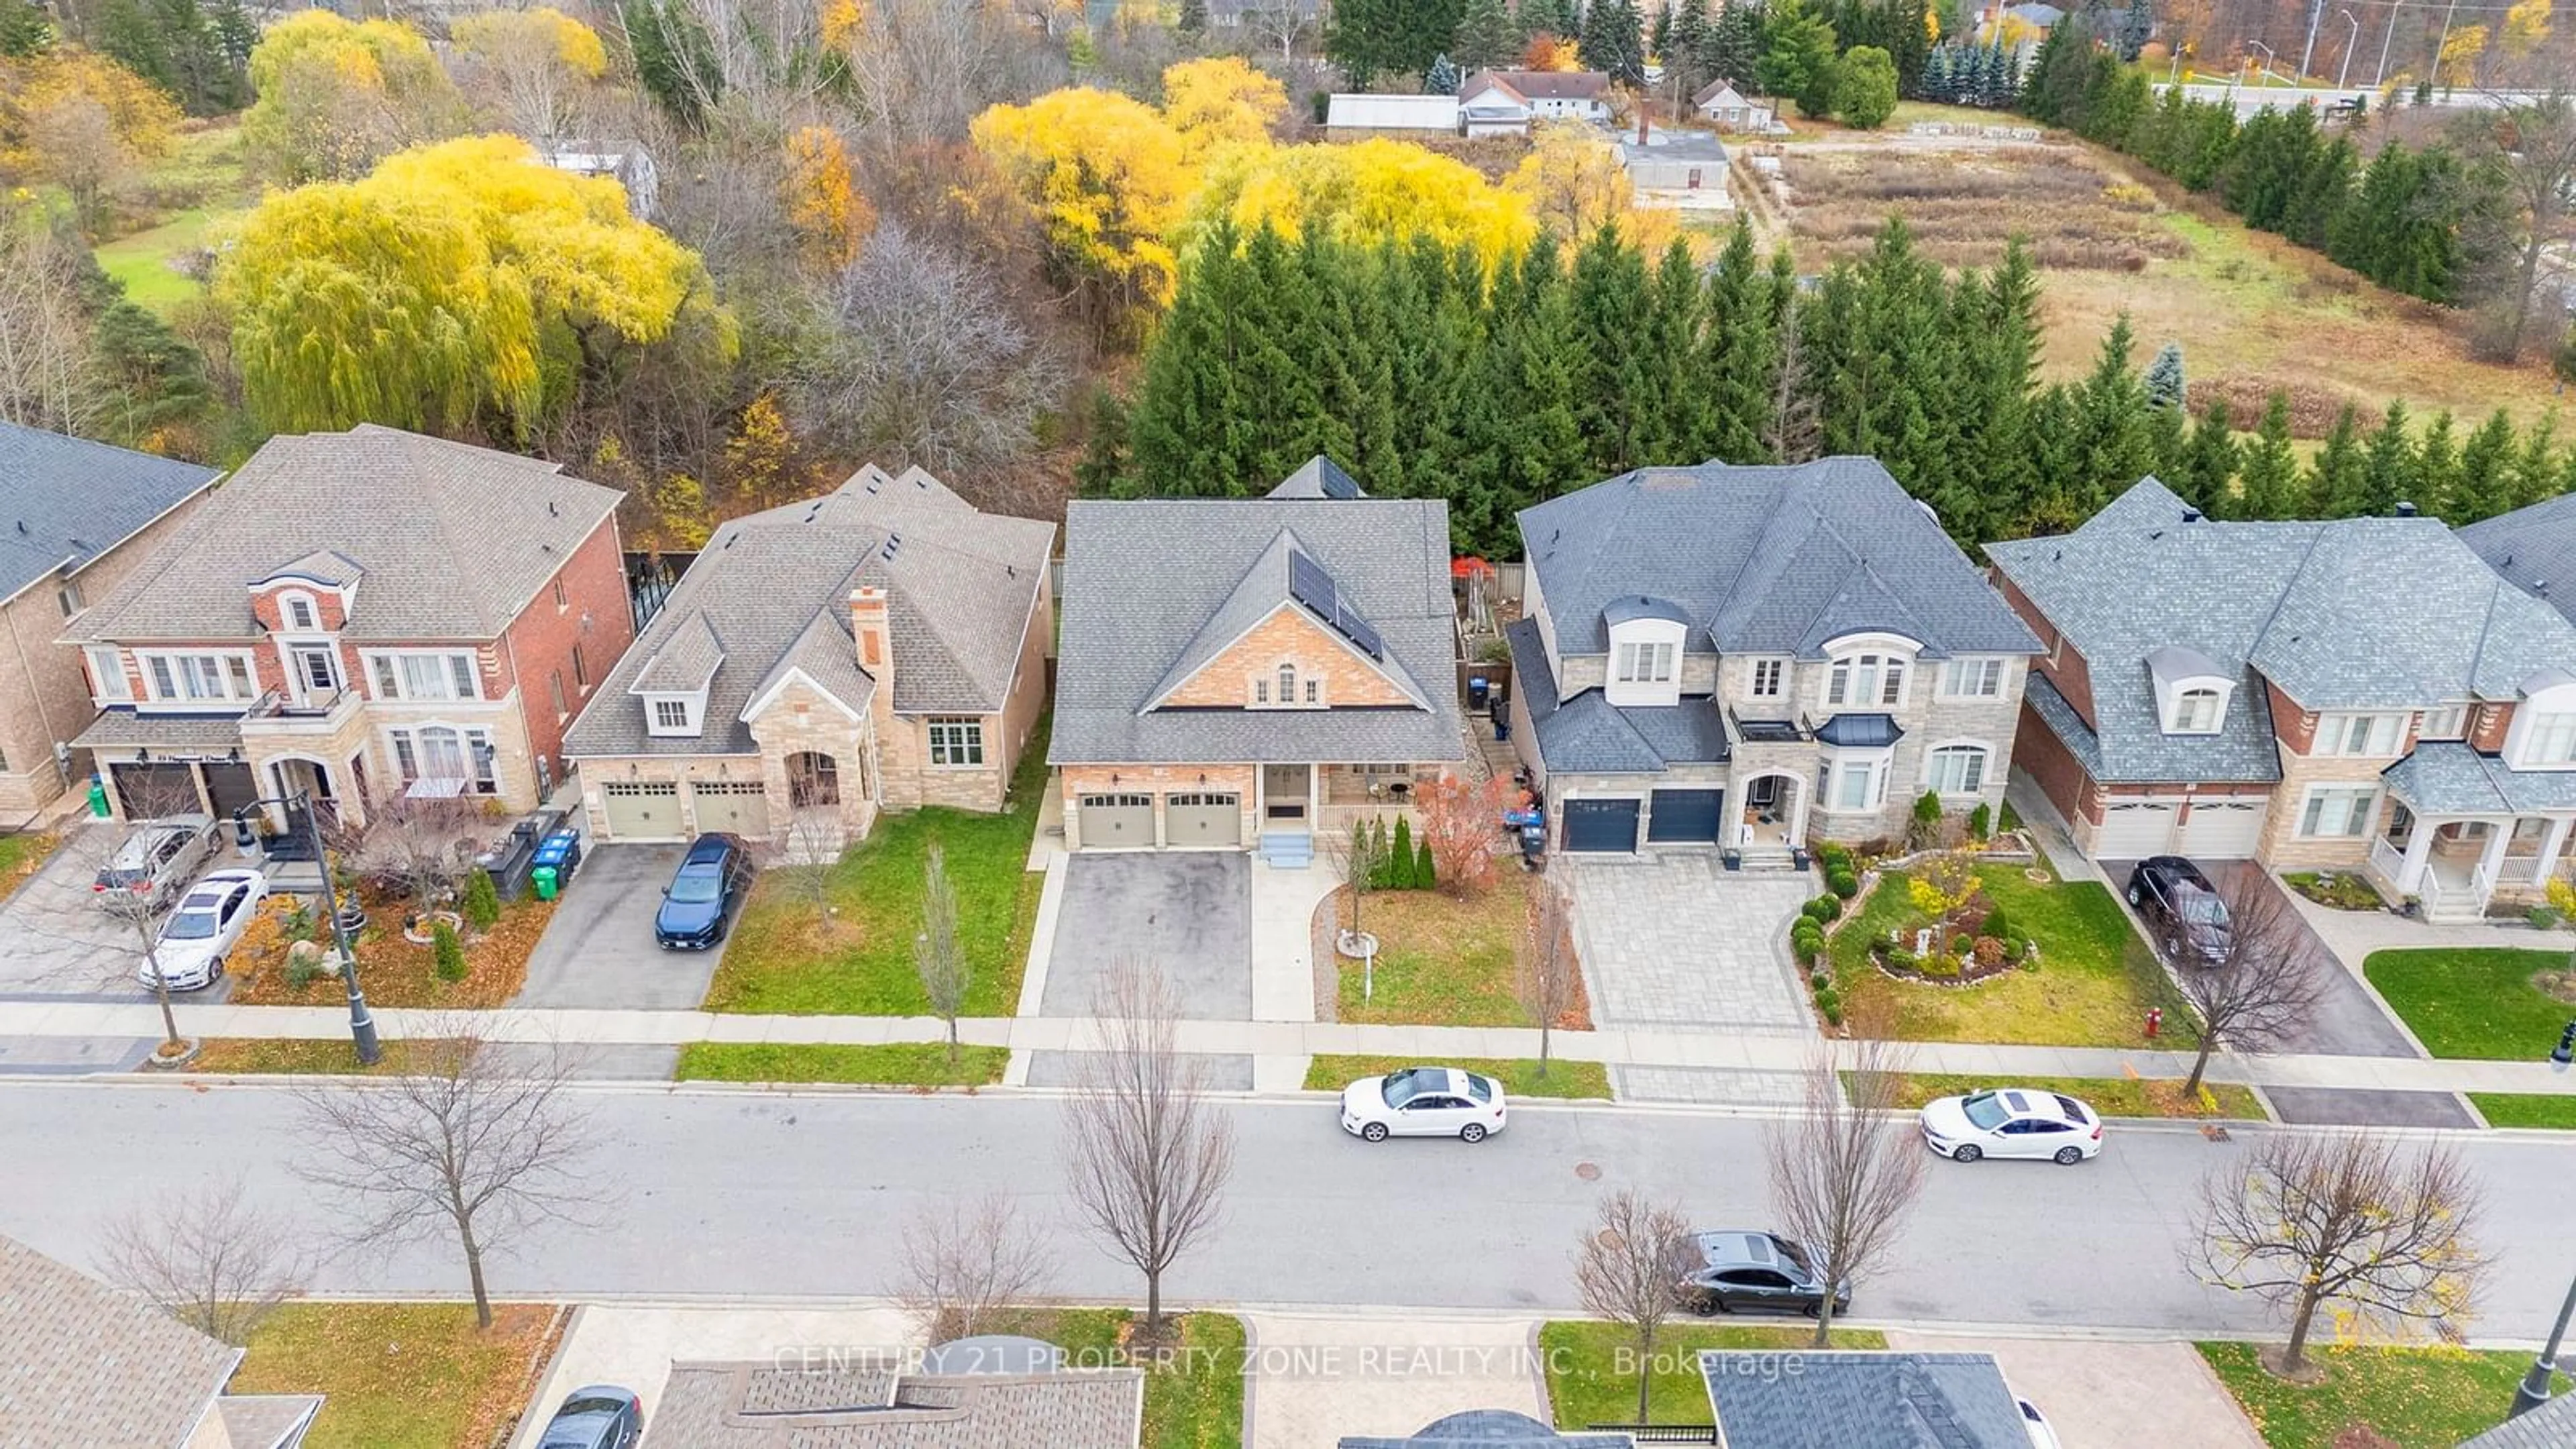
x,y
1971,75
2398,221
1428,379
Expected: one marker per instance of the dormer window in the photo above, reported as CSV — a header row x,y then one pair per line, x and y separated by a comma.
x,y
672,714
1646,640
2191,690
2196,712
1645,663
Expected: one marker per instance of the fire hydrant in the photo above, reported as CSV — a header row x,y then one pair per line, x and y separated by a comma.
x,y
2155,1020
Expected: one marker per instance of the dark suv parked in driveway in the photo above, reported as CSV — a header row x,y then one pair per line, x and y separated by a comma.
x,y
1753,1272
2183,912
699,903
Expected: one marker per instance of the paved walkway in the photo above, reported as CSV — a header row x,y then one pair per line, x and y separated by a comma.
x,y
1680,941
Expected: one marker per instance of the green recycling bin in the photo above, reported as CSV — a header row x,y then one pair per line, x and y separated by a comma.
x,y
97,798
542,880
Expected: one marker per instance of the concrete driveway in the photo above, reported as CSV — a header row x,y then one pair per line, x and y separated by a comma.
x,y
1681,941
598,950
56,942
2110,1395
1188,912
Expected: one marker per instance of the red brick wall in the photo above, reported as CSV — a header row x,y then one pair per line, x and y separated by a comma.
x,y
2296,728
2488,723
2062,664
540,641
2038,751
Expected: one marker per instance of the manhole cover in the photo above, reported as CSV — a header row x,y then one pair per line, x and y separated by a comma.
x,y
1587,1171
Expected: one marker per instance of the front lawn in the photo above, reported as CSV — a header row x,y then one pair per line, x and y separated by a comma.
x,y
1570,1080
295,1056
21,856
394,970
1442,961
2416,1398
2537,1109
2095,982
1193,1392
783,959
402,1375
2475,1003
1592,1371
895,1064
2110,1096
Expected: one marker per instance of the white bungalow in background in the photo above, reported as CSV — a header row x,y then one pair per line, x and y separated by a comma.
x,y
1677,170
1504,102
1367,115
627,164
1723,106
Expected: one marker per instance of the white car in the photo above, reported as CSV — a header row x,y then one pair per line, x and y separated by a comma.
x,y
202,930
2012,1122
1423,1102
2036,1424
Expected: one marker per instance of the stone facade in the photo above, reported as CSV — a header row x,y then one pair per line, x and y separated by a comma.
x,y
1288,639
1161,782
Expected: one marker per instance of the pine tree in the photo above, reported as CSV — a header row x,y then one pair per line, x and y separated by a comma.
x,y
2387,470
1989,492
1612,39
1443,78
1487,36
2114,447
2437,468
1797,56
2485,472
1102,472
2206,479
2269,478
1734,49
1740,354
2334,474
1549,17
1193,18
1188,428
1659,34
2166,385
1681,392
2535,472
24,30
1616,403
1686,58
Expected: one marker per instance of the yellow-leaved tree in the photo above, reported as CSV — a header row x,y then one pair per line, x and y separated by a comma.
x,y
531,70
463,288
1364,192
1107,176
83,122
830,216
2526,24
1222,101
336,96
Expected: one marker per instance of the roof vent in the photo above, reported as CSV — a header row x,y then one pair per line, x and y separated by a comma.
x,y
2540,587
553,509
2191,515
2405,509
22,526
893,545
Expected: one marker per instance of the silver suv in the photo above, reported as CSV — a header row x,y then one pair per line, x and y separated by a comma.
x,y
155,863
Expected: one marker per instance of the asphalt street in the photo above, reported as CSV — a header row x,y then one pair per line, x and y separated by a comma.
x,y
779,1195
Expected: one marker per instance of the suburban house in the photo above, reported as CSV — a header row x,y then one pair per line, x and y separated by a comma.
x,y
1391,115
881,647
358,615
1748,658
991,1389
1243,672
1726,108
2359,694
2534,548
1487,1429
82,1363
1863,1400
1504,102
1684,170
78,517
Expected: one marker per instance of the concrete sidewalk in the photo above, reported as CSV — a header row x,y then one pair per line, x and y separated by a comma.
x,y
1281,1039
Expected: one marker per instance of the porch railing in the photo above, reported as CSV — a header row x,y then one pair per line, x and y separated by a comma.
x,y
2388,860
2482,884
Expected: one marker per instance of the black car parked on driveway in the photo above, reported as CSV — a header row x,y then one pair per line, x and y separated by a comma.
x,y
2183,912
1740,1272
698,904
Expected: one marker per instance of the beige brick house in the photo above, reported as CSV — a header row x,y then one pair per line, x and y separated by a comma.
x,y
76,517
1744,659
1239,673
882,647
353,616
2364,693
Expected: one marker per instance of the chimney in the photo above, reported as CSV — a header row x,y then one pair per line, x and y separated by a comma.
x,y
2405,509
868,626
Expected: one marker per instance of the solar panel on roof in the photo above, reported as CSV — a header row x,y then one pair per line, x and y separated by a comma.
x,y
1359,631
1338,484
1309,585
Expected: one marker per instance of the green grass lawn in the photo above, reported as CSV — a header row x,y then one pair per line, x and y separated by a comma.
x,y
1586,1386
2111,1096
781,959
2094,984
1520,1078
897,1064
2474,1003
1442,961
2537,1109
142,261
1193,1397
204,177
401,1375
21,856
2418,1398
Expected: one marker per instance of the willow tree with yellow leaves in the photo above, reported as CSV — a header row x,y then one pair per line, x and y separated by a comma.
x,y
1106,177
1221,102
463,288
1364,192
336,96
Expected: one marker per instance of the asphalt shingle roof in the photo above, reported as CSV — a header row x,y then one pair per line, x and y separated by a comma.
x,y
1489,1429
1765,560
1589,735
1863,1401
760,1406
81,1363
685,661
449,541
64,501
2447,777
2551,1426
770,592
1144,581
2534,548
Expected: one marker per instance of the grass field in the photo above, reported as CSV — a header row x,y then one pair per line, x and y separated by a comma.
x,y
1570,1080
401,1375
2414,1398
899,1064
20,857
1591,1367
1443,961
200,183
2110,1096
2474,1003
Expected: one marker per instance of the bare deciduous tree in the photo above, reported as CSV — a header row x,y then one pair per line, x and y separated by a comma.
x,y
2309,1220
803,862
1548,977
421,847
1283,23
923,68
2528,148
527,70
208,1258
1629,1271
936,955
468,1139
1847,1168
1353,857
77,140
963,1265
49,374
147,796
1147,1152
2258,985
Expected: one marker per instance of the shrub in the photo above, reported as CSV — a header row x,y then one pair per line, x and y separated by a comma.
x,y
1996,926
1381,870
1981,823
1990,952
1426,875
299,923
1830,1003
1807,941
2543,918
1826,907
301,969
1927,808
482,904
448,952
1940,965
1843,881
2008,819
1961,945
1400,863
1833,855
1821,981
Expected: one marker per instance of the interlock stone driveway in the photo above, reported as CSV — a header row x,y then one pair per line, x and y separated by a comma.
x,y
1681,941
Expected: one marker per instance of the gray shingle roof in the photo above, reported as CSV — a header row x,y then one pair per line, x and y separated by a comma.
x,y
2446,777
1489,1429
773,588
64,501
1263,591
2551,1426
81,1363
115,728
1765,560
453,540
2534,548
760,1406
684,661
1589,735
1319,477
1863,1401
267,1421
1145,579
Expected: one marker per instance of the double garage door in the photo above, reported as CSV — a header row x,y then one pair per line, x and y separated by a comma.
x,y
650,809
170,788
1670,817
2218,829
1200,820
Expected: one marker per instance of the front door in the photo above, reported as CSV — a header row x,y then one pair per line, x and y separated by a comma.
x,y
1283,792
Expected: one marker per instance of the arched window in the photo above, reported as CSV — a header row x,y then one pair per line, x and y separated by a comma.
x,y
296,612
1287,684
1958,769
2196,712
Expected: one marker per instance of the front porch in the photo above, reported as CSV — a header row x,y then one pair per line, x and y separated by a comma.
x,y
2454,865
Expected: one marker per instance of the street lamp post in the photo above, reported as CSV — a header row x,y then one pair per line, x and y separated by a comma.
x,y
2533,1391
362,1023
2351,42
2269,58
2379,77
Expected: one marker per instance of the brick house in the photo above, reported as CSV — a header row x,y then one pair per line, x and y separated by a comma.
x,y
358,615
78,517
2359,694
1748,658
882,647
1239,673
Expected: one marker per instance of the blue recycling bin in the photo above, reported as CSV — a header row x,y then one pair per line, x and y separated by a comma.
x,y
559,853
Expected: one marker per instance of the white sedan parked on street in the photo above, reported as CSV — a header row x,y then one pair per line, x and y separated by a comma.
x,y
2012,1122
1423,1102
197,936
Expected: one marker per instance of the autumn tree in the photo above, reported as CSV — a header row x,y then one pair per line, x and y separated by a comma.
x,y
1628,1271
49,374
1220,102
822,200
1363,192
337,96
82,122
530,69
1105,176
2527,152
1461,822
1573,183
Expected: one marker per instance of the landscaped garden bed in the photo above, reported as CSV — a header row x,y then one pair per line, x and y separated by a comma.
x,y
1586,1384
1519,1077
403,1375
2364,1397
396,971
2344,890
2498,1005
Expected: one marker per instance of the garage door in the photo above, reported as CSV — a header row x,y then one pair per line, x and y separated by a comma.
x,y
642,809
1685,817
1202,819
230,786
1108,821
2134,829
739,806
145,792
1600,824
2223,830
